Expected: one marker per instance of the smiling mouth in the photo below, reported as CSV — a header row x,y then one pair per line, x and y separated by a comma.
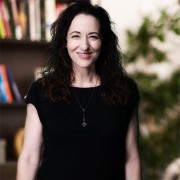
x,y
85,55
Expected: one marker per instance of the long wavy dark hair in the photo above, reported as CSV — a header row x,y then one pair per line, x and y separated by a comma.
x,y
57,75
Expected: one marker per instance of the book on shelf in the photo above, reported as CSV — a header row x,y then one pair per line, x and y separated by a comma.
x,y
15,91
34,17
29,19
5,19
2,28
15,17
3,96
60,7
23,18
9,91
10,19
38,19
6,85
50,16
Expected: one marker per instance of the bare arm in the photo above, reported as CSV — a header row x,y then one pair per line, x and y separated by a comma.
x,y
29,158
133,167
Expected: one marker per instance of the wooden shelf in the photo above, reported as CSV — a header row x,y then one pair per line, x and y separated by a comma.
x,y
13,105
14,42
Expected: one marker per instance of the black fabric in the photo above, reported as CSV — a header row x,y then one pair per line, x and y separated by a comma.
x,y
71,152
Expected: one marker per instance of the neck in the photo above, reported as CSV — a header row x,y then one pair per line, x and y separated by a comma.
x,y
85,79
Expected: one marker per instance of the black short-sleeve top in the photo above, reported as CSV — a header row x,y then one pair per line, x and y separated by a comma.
x,y
74,152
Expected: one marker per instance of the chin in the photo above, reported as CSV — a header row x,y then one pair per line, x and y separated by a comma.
x,y
84,65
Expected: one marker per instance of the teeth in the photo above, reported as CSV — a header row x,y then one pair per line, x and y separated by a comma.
x,y
85,53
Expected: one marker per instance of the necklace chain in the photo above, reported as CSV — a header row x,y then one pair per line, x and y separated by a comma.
x,y
84,123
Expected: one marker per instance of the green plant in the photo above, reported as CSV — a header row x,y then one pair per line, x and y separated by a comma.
x,y
160,100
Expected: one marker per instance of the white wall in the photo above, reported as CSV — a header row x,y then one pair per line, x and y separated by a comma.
x,y
127,14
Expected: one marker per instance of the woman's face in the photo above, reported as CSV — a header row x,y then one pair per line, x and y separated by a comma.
x,y
83,41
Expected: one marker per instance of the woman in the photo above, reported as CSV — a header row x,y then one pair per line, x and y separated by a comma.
x,y
84,108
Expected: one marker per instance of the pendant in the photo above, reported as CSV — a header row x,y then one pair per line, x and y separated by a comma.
x,y
84,124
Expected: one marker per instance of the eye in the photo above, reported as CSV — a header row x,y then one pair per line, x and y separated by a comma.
x,y
75,36
94,37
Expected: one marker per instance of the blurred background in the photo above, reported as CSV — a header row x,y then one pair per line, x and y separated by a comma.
x,y
149,36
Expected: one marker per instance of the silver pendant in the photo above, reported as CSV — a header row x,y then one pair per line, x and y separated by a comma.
x,y
84,124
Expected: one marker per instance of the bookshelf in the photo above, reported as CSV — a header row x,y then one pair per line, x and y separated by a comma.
x,y
22,57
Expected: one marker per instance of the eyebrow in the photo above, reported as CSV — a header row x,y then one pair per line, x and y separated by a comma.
x,y
94,33
77,32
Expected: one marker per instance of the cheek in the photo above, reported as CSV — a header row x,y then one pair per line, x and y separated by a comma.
x,y
71,45
97,46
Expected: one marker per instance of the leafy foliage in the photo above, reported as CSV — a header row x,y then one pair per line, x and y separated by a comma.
x,y
160,100
156,154
157,96
140,42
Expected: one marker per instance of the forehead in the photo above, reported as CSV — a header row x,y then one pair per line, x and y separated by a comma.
x,y
84,22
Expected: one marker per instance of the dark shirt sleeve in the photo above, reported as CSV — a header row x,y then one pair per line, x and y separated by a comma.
x,y
34,97
31,96
134,98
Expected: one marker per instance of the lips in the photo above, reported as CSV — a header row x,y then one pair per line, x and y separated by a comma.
x,y
84,55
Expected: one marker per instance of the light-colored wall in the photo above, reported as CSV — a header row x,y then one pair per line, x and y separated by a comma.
x,y
128,14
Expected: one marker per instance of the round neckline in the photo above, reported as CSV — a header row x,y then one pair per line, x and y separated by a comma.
x,y
76,87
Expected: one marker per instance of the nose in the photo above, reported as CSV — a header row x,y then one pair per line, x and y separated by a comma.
x,y
84,44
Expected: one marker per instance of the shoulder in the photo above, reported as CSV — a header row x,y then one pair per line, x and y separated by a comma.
x,y
132,89
37,85
35,89
131,83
